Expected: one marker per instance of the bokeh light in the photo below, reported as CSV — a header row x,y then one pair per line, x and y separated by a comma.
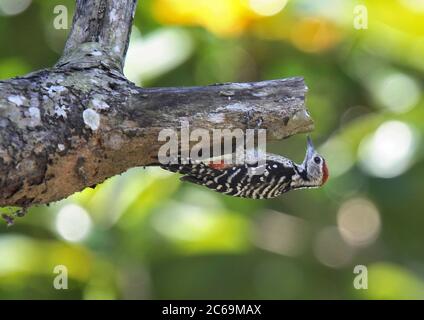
x,y
281,233
331,249
338,155
398,92
267,7
393,281
193,228
186,223
13,7
359,222
389,151
221,17
415,5
16,259
73,223
339,11
314,34
157,53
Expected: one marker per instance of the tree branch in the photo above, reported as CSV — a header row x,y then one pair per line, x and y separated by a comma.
x,y
105,22
75,125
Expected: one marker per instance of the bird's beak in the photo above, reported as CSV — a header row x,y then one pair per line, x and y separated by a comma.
x,y
310,150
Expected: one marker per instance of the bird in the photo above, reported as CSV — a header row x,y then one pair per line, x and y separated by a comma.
x,y
254,179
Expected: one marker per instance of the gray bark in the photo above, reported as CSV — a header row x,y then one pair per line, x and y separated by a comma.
x,y
80,122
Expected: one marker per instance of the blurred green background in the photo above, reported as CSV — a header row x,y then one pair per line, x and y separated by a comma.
x,y
145,235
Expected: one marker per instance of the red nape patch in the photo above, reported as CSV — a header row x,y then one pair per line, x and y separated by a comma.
x,y
325,173
217,166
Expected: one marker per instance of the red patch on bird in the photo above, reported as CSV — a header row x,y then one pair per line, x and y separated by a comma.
x,y
325,173
217,166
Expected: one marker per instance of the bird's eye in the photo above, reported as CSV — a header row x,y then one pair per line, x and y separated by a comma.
x,y
317,160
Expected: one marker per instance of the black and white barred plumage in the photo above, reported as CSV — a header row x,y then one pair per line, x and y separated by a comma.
x,y
254,180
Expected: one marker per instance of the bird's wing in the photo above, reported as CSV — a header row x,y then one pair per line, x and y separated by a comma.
x,y
245,180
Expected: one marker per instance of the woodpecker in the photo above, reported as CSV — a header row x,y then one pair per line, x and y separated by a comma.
x,y
277,175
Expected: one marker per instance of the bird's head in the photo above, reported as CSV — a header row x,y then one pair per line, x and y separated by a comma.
x,y
315,166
